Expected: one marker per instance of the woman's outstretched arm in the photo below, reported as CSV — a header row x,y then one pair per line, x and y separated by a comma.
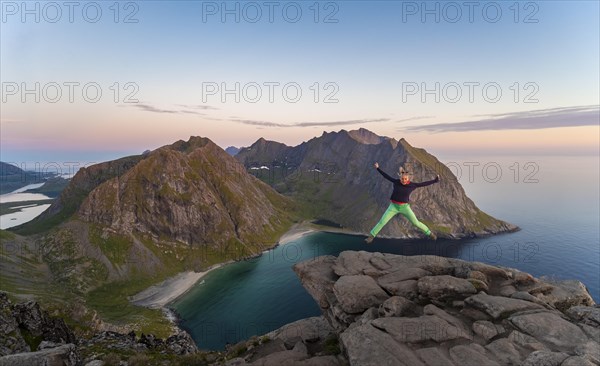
x,y
384,174
429,182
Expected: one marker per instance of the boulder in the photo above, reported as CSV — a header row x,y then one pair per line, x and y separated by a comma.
x,y
357,293
550,329
65,355
397,306
444,287
499,306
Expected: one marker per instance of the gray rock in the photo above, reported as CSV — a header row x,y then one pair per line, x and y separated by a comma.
x,y
320,361
478,275
592,332
265,349
444,335
65,355
566,294
590,351
421,329
358,293
551,329
397,306
11,340
47,344
474,314
317,277
280,358
378,261
434,357
238,361
544,358
491,272
589,315
181,343
471,355
499,306
368,346
507,291
444,287
300,347
308,330
339,319
407,289
504,351
431,309
523,278
408,273
526,341
486,329
367,316
522,295
479,285
351,263
577,361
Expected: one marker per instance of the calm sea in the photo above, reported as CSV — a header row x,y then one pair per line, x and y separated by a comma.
x,y
554,200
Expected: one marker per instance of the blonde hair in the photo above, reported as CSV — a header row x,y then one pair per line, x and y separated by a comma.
x,y
402,172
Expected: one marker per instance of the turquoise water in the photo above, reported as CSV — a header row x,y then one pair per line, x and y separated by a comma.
x,y
555,201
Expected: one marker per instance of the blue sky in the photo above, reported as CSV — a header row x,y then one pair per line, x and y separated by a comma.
x,y
541,56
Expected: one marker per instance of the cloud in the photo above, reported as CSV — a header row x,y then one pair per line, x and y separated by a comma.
x,y
308,124
197,106
149,108
528,120
413,118
187,109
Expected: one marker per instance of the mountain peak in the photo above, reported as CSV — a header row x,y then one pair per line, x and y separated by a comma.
x,y
365,136
190,145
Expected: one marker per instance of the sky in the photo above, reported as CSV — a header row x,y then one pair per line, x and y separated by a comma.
x,y
94,81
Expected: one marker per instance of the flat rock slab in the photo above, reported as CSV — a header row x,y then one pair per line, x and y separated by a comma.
x,y
354,263
421,329
308,330
471,355
368,346
505,351
551,329
499,306
434,357
545,358
358,293
407,289
410,273
445,286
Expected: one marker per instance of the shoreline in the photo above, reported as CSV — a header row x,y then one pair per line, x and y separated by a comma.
x,y
160,295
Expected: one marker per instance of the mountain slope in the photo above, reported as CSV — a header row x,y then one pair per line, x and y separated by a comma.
x,y
192,192
333,177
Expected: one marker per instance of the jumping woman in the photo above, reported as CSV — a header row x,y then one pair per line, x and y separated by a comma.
x,y
403,187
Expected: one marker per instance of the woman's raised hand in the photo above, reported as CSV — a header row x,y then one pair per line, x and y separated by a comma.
x,y
376,165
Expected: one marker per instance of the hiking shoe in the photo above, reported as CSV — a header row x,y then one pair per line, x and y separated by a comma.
x,y
432,236
369,239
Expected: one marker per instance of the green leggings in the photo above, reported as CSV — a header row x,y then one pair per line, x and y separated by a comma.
x,y
404,209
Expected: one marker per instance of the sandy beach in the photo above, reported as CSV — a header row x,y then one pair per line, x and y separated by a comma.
x,y
297,231
159,295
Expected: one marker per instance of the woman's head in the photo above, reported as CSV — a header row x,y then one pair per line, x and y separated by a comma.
x,y
404,176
